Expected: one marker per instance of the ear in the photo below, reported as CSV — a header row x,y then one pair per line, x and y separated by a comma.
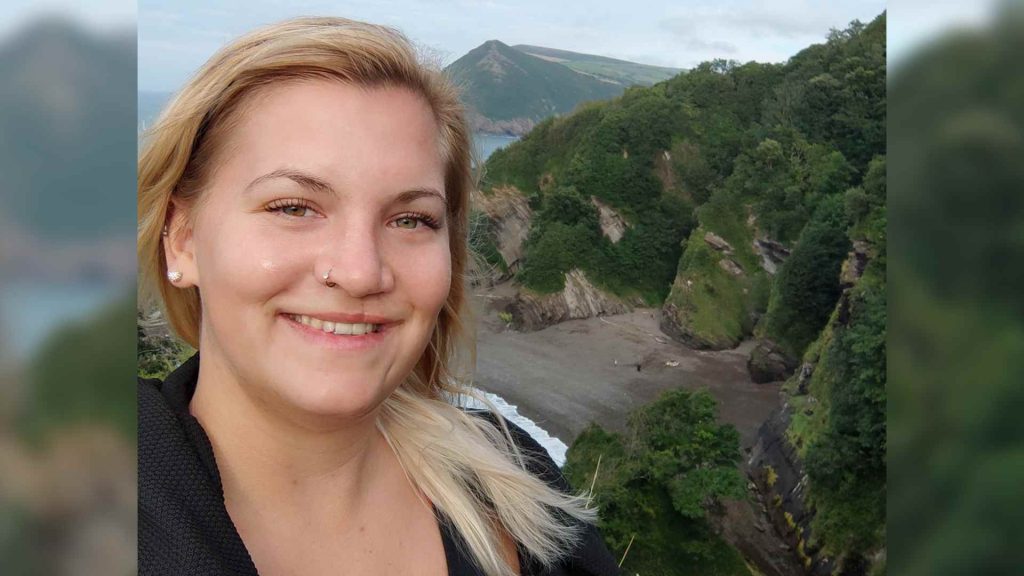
x,y
179,247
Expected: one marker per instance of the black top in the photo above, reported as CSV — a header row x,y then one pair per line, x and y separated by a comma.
x,y
184,526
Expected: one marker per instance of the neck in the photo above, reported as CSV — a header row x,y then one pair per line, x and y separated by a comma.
x,y
282,463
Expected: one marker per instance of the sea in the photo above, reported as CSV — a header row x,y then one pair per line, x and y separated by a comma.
x,y
31,311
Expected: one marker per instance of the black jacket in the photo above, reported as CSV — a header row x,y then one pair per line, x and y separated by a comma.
x,y
184,527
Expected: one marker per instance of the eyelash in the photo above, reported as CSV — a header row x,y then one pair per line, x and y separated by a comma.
x,y
428,220
281,205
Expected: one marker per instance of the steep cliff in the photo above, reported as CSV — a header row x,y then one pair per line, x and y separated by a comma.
x,y
720,289
579,299
499,234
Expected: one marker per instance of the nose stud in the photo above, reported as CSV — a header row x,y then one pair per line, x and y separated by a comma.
x,y
327,279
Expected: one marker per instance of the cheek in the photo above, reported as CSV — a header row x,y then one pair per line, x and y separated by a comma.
x,y
243,265
429,277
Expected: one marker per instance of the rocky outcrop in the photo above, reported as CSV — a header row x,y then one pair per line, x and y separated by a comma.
x,y
778,473
510,213
671,324
730,266
513,127
717,242
768,363
613,226
579,299
772,254
853,266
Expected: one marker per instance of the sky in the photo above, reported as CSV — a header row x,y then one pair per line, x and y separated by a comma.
x,y
177,36
99,15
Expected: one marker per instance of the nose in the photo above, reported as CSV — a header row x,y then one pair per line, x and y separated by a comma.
x,y
357,262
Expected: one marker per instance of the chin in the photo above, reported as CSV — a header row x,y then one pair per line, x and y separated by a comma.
x,y
339,398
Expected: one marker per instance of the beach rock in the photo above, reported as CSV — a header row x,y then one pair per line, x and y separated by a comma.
x,y
579,299
673,325
781,480
769,363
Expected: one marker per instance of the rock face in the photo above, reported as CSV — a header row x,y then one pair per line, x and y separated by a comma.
x,y
717,242
772,254
768,363
579,299
778,473
669,323
730,266
510,211
853,266
612,224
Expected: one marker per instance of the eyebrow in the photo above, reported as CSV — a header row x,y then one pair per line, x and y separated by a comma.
x,y
320,186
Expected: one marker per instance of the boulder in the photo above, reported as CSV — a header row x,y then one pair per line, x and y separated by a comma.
x,y
769,363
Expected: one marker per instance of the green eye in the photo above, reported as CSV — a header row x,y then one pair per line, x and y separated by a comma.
x,y
407,220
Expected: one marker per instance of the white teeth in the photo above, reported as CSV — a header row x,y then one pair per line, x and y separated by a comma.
x,y
339,328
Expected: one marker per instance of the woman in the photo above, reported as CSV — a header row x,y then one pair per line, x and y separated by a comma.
x,y
303,207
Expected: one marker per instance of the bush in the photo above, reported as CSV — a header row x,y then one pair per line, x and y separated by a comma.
x,y
807,286
656,483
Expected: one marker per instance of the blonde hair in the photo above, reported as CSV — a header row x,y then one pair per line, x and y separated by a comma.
x,y
471,471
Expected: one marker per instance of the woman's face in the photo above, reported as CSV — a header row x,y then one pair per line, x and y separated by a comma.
x,y
321,176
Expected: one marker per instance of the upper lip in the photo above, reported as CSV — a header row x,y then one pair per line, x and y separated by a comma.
x,y
347,318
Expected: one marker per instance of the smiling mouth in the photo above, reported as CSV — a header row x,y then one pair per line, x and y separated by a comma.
x,y
339,328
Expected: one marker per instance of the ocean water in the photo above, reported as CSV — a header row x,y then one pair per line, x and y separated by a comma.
x,y
555,447
485,144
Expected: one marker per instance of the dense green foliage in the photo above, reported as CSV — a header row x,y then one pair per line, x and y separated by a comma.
x,y
159,352
956,347
605,151
846,464
807,285
843,436
656,483
84,373
503,83
792,153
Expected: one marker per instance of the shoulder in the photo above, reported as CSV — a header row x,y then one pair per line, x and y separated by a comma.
x,y
536,457
590,557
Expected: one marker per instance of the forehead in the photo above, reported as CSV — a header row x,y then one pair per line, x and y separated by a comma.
x,y
354,136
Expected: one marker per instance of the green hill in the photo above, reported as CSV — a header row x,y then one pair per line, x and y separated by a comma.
x,y
602,67
67,130
503,85
716,172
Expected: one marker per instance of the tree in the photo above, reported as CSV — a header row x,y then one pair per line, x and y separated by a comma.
x,y
807,286
657,482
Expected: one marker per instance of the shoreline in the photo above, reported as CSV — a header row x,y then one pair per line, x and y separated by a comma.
x,y
580,371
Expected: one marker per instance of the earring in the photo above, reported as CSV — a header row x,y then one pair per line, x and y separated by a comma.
x,y
164,232
173,275
326,278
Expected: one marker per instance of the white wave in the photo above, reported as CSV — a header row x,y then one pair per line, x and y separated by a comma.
x,y
555,447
